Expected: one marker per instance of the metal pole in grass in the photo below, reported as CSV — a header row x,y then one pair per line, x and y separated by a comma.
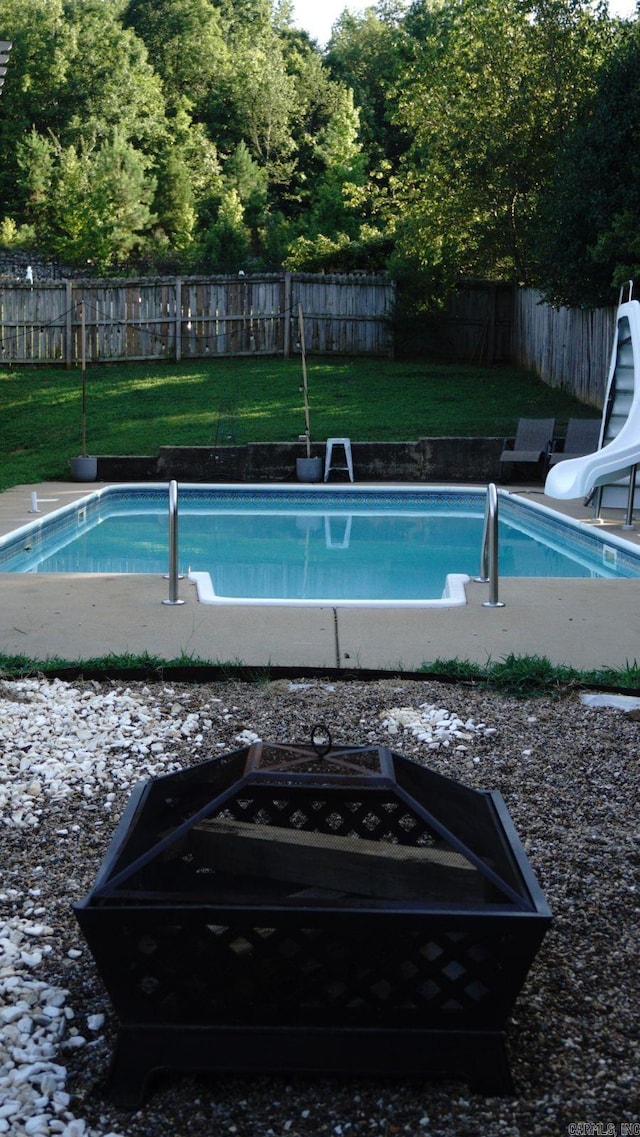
x,y
173,546
489,561
305,385
83,369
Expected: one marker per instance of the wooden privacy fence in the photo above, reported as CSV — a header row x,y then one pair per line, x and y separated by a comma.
x,y
569,348
475,325
194,317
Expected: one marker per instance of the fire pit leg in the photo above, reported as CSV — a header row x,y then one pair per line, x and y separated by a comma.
x,y
131,1067
478,1058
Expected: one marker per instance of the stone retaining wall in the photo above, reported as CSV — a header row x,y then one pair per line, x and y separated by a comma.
x,y
457,460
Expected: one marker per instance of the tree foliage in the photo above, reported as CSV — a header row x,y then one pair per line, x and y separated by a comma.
x,y
89,205
367,54
589,235
487,97
433,139
186,47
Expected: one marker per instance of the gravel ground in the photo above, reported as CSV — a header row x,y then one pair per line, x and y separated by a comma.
x,y
69,755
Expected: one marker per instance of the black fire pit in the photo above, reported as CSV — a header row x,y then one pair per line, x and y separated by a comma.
x,y
313,909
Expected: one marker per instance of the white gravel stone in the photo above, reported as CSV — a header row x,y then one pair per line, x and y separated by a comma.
x,y
58,741
435,726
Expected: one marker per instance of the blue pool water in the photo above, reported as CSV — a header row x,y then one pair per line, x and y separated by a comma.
x,y
346,545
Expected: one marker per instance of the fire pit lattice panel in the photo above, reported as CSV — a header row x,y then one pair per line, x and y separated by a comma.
x,y
277,975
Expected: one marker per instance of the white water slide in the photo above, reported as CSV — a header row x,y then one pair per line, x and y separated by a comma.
x,y
618,450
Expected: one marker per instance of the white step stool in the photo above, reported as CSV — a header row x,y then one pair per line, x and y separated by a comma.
x,y
345,443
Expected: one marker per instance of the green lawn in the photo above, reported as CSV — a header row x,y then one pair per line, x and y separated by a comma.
x,y
135,409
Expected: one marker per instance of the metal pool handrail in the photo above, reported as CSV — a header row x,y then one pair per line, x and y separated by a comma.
x,y
173,546
489,556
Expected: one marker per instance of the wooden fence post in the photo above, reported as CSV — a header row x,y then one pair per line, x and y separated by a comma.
x,y
286,316
491,320
178,331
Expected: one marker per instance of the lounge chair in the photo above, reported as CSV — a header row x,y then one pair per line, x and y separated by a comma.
x,y
583,435
531,446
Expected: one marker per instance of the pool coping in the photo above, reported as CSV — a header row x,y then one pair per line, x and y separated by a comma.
x,y
581,623
132,498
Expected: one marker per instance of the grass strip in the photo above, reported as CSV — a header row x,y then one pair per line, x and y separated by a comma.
x,y
519,676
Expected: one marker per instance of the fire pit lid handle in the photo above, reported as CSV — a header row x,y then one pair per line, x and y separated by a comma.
x,y
321,739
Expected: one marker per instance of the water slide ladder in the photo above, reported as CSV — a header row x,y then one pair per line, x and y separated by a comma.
x,y
607,477
619,400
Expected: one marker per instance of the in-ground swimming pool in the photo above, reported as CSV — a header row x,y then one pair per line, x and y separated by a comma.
x,y
320,545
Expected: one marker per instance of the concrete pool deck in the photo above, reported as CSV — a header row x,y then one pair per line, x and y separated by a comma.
x,y
582,623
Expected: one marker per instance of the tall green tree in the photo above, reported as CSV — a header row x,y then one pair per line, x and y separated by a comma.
x,y
589,223
109,83
188,176
225,245
366,54
78,76
339,149
244,175
488,98
186,44
38,71
89,206
264,97
316,97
